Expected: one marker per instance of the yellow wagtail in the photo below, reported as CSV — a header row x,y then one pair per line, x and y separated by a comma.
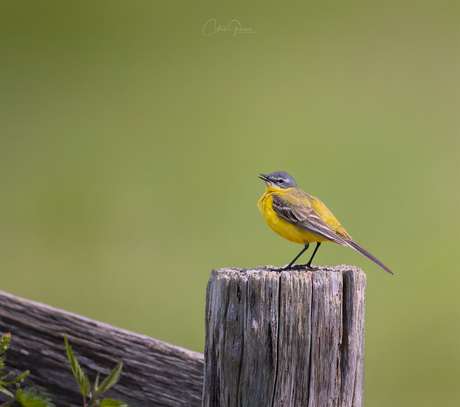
x,y
302,218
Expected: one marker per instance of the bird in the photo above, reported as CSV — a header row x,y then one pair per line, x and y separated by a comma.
x,y
302,218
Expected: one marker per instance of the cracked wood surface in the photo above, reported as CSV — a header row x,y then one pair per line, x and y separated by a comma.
x,y
293,339
155,373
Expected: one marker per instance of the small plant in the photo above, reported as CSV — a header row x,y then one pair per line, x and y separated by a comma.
x,y
90,399
27,397
31,397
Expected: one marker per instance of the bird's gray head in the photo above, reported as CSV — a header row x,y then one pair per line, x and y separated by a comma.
x,y
278,179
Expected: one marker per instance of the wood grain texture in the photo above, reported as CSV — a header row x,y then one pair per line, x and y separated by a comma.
x,y
293,339
155,373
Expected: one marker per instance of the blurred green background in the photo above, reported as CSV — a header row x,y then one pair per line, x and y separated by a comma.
x,y
131,144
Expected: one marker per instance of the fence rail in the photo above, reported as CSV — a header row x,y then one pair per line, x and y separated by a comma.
x,y
155,373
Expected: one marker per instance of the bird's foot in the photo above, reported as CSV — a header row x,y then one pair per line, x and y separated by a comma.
x,y
294,267
278,270
299,266
306,266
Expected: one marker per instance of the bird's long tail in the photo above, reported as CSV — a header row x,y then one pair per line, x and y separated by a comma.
x,y
366,254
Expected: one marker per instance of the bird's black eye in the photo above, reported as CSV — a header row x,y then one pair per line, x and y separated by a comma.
x,y
280,181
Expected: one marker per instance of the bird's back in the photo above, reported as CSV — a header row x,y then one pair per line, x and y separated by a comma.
x,y
326,215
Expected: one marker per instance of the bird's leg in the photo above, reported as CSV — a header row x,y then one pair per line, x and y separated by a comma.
x,y
292,262
313,255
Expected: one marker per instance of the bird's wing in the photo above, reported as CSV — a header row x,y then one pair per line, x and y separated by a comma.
x,y
297,210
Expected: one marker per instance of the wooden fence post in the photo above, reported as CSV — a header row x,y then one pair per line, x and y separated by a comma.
x,y
293,339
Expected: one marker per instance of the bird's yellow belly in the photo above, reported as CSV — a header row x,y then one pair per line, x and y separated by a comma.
x,y
283,227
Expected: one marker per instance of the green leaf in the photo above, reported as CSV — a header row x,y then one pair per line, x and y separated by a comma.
x,y
4,346
81,377
5,342
110,380
113,403
19,378
7,392
96,383
30,397
10,373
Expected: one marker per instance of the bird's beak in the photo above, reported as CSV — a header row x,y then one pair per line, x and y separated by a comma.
x,y
264,177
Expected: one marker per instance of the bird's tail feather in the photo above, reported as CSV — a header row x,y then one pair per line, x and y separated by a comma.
x,y
366,254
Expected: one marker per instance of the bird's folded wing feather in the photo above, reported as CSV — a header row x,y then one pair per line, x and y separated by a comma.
x,y
298,211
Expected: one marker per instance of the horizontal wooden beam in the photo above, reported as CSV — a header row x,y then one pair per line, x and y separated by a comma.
x,y
155,373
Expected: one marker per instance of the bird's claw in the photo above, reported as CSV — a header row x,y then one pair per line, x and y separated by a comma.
x,y
294,267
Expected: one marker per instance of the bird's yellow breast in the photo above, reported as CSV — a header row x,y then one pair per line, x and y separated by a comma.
x,y
283,227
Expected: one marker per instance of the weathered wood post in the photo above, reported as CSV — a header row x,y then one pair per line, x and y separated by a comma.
x,y
293,339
